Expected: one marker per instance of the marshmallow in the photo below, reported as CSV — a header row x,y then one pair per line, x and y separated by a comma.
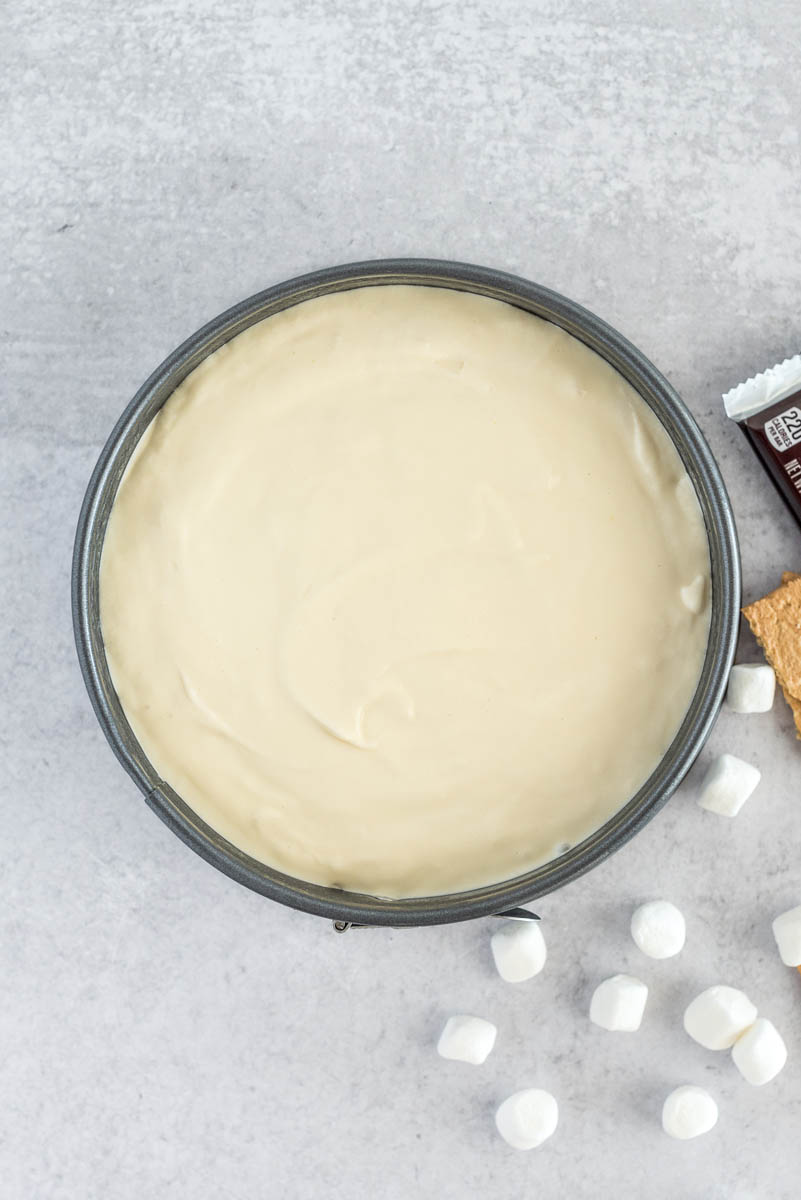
x,y
518,948
787,932
527,1118
619,1003
751,688
760,1053
727,785
717,1017
467,1039
658,929
688,1112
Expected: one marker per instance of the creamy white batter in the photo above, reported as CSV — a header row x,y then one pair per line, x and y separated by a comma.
x,y
404,590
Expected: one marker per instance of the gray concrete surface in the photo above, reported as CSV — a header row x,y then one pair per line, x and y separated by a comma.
x,y
166,1034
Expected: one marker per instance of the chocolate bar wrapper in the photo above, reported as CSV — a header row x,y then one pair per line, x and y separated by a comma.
x,y
768,410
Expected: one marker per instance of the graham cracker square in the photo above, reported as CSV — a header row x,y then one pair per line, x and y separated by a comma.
x,y
776,623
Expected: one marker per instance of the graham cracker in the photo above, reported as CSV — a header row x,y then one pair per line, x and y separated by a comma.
x,y
776,623
795,705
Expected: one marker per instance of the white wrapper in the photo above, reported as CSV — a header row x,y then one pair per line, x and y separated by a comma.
x,y
765,389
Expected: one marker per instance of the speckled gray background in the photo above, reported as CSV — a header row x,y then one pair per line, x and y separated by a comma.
x,y
166,1033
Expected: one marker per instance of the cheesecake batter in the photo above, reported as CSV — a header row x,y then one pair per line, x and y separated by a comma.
x,y
405,590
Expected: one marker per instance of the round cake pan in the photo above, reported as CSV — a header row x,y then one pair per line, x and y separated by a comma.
x,y
349,907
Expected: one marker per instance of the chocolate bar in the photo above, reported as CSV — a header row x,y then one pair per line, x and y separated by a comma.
x,y
768,410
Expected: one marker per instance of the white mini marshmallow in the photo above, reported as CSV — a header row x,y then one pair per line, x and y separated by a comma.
x,y
760,1053
619,1003
787,932
727,785
658,928
518,948
526,1119
467,1039
688,1112
717,1017
751,688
